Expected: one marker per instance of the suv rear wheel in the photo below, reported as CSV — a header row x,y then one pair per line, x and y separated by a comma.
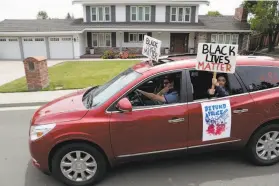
x,y
263,148
78,164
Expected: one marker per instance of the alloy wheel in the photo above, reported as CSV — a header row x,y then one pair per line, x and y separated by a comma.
x,y
78,166
267,147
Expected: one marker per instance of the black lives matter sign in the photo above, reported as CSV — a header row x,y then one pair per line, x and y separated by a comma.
x,y
217,57
151,48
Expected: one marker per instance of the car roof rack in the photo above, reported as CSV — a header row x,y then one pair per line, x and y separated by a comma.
x,y
180,55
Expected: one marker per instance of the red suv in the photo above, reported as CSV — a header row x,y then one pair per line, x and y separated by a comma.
x,y
79,136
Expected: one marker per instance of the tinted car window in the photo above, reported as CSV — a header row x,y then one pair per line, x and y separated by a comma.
x,y
259,78
234,85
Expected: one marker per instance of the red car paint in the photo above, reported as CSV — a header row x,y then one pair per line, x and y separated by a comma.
x,y
142,131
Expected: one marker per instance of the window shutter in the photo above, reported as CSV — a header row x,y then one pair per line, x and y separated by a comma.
x,y
126,37
128,13
149,34
89,39
167,14
113,39
113,13
88,14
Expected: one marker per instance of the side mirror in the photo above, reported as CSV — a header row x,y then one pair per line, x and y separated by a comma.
x,y
124,105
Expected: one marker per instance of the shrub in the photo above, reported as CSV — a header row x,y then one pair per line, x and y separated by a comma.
x,y
124,55
108,54
132,56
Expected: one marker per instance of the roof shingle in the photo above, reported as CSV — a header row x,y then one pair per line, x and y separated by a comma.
x,y
51,25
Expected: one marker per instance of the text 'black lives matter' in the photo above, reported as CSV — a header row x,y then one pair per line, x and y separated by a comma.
x,y
219,55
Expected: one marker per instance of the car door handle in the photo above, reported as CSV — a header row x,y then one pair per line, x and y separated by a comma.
x,y
238,111
176,120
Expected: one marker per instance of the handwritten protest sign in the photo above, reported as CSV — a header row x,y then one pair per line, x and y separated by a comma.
x,y
217,57
216,120
151,48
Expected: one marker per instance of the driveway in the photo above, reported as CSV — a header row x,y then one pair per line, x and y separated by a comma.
x,y
11,70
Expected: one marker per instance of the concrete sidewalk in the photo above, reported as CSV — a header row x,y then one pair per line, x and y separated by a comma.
x,y
31,98
12,70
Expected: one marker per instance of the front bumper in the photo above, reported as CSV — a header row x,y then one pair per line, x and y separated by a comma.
x,y
40,150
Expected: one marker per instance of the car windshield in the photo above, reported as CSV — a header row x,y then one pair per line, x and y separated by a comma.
x,y
102,93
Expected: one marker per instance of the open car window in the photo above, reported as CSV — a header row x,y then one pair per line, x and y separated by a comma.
x,y
201,82
154,86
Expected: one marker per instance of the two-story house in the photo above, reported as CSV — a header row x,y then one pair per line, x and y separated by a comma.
x,y
121,25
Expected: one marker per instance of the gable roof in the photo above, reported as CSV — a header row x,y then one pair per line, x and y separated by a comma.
x,y
206,23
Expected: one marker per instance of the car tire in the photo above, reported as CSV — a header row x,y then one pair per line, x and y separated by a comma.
x,y
78,165
255,147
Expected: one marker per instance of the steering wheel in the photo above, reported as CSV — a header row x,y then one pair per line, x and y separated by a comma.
x,y
138,95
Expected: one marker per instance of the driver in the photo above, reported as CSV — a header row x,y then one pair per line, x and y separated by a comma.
x,y
167,95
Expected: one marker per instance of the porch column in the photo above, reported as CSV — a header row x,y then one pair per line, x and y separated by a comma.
x,y
120,40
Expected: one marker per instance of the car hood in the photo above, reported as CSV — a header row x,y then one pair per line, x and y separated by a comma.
x,y
66,108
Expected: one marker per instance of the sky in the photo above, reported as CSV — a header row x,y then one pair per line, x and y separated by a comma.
x,y
28,9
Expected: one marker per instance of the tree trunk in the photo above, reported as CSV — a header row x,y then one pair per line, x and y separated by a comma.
x,y
261,41
270,42
275,38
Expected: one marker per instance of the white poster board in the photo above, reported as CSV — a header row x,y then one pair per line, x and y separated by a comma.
x,y
216,120
217,57
151,48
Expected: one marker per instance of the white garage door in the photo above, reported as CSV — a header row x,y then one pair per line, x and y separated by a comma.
x,y
9,48
34,46
61,48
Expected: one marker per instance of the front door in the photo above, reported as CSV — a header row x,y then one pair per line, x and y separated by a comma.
x,y
150,129
242,112
179,42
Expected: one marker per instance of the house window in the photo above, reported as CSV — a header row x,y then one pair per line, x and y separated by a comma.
x,y
100,14
136,37
234,40
228,39
14,39
224,39
28,39
39,39
101,40
180,14
140,13
66,39
214,38
221,38
54,39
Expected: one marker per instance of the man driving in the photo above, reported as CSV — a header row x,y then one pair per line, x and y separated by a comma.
x,y
167,95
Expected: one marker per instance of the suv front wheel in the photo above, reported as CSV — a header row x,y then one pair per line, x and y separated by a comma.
x,y
78,164
263,148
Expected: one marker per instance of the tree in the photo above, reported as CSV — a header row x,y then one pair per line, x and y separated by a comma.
x,y
213,13
264,19
42,15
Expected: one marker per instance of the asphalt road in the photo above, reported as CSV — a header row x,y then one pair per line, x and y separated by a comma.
x,y
209,169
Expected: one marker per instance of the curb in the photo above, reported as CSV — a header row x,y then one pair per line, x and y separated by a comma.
x,y
22,104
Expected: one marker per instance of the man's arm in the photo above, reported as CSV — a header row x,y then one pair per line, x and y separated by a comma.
x,y
153,97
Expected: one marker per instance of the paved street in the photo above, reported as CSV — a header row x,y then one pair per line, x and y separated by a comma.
x,y
210,169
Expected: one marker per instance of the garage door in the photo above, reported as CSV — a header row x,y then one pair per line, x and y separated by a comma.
x,y
61,48
9,48
34,46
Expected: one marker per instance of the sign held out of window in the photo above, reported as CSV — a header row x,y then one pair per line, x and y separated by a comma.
x,y
151,48
217,57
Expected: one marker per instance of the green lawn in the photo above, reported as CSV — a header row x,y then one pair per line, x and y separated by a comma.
x,y
73,75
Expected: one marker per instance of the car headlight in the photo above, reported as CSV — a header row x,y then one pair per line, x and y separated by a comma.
x,y
38,131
